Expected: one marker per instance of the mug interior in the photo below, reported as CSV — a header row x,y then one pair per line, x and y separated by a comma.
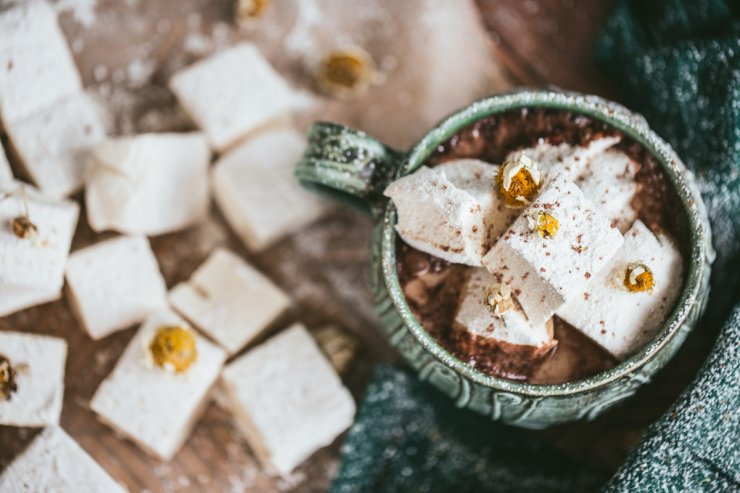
x,y
631,125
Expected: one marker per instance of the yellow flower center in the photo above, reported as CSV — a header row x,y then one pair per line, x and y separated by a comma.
x,y
498,299
8,384
173,348
251,9
519,181
638,278
23,228
345,73
547,225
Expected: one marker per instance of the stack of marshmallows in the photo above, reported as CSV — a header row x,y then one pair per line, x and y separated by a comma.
x,y
552,231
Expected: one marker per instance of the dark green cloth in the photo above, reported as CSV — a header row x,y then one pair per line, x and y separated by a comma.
x,y
678,63
695,446
409,438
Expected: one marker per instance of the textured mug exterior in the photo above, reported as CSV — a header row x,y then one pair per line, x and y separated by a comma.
x,y
520,404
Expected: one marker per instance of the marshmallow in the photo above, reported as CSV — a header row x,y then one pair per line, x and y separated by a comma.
x,y
55,462
152,407
477,178
148,184
37,67
257,193
287,399
234,92
546,272
38,363
438,218
53,143
510,327
609,181
34,262
6,175
17,298
618,319
229,300
564,159
115,284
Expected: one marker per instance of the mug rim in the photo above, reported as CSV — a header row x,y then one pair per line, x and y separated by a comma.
x,y
632,125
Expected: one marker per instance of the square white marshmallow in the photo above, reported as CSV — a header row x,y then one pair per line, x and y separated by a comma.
x,y
36,262
54,462
229,300
606,175
477,179
36,66
619,320
233,93
451,211
287,399
148,184
609,181
510,327
114,284
255,189
154,408
564,159
544,273
16,298
438,218
39,362
6,175
54,143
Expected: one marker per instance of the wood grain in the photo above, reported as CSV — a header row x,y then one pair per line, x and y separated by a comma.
x,y
324,269
549,42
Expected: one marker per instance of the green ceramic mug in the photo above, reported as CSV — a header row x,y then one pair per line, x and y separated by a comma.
x,y
351,166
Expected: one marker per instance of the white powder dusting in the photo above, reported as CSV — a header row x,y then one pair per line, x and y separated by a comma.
x,y
300,37
139,71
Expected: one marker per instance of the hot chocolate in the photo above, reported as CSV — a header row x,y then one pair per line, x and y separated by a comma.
x,y
638,201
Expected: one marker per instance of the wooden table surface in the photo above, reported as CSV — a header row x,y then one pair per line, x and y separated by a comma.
x,y
324,268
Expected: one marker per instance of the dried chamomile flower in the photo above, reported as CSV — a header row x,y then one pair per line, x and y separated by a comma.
x,y
519,181
21,225
173,348
248,11
338,345
498,299
638,278
23,228
345,73
8,383
545,224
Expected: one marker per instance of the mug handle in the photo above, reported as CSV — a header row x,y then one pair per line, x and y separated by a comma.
x,y
347,165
